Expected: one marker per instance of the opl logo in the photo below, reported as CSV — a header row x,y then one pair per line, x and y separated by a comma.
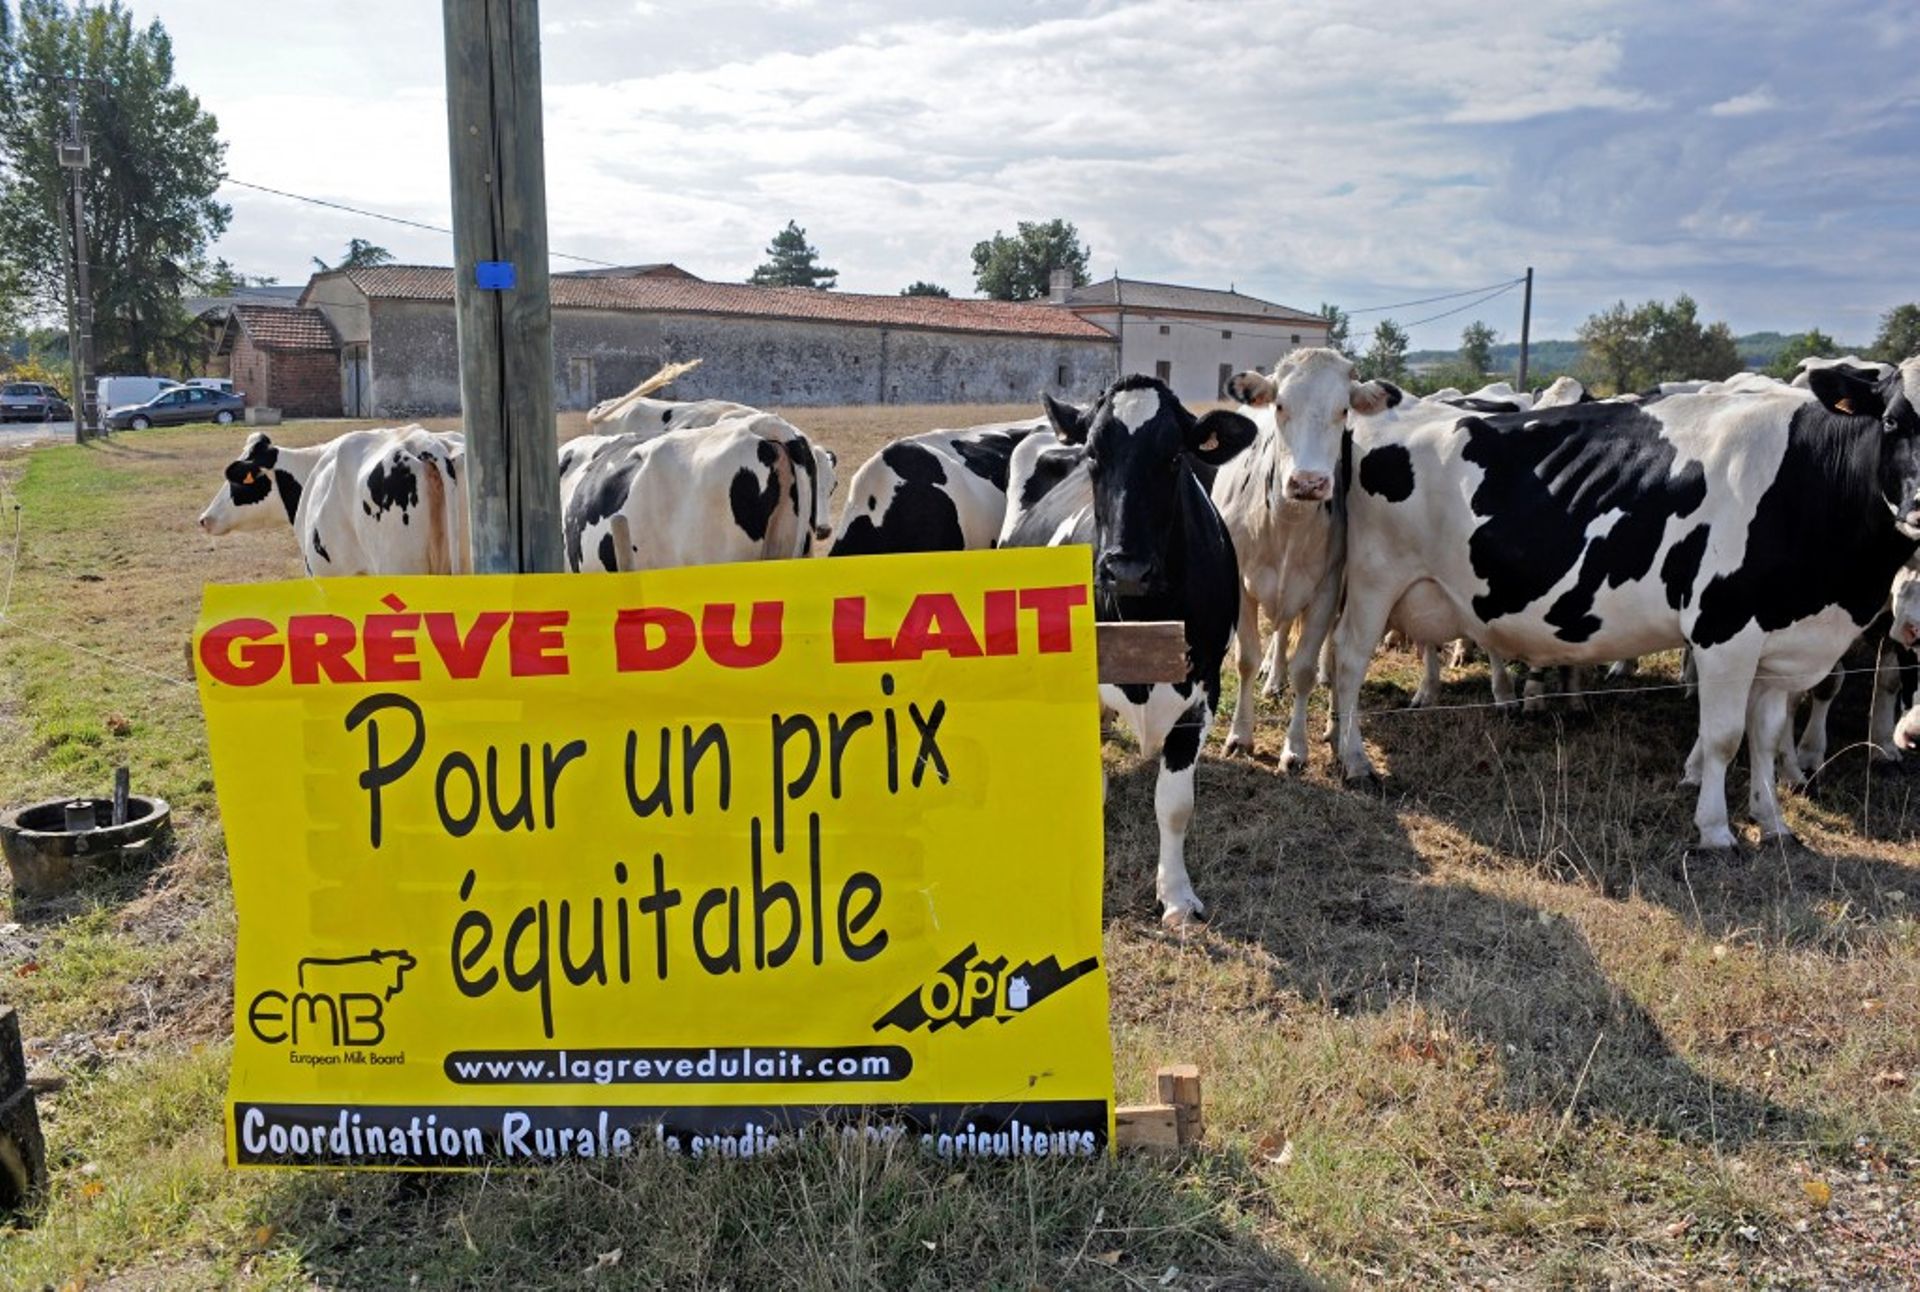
x,y
339,1002
969,989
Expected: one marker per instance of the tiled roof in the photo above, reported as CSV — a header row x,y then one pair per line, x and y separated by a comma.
x,y
1132,293
274,328
272,296
681,296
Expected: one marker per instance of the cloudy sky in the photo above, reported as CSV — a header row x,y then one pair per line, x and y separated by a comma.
x,y
1759,156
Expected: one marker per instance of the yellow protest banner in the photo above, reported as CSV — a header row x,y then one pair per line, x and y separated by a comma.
x,y
552,866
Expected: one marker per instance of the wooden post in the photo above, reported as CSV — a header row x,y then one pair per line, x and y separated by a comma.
x,y
1526,328
1176,1122
498,163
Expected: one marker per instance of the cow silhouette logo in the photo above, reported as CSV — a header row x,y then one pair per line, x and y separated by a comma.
x,y
338,1002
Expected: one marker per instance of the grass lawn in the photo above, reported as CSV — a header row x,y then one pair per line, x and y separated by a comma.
x,y
1489,1026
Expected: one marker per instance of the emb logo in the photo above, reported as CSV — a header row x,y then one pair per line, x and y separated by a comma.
x,y
339,1001
969,989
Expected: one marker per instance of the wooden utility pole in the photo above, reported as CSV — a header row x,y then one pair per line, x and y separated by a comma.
x,y
73,160
501,298
1526,327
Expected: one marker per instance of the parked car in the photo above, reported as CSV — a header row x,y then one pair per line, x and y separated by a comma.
x,y
177,406
124,392
222,384
33,401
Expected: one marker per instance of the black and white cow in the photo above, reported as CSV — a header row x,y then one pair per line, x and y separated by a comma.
x,y
1762,530
1123,481
940,491
366,502
1280,502
741,490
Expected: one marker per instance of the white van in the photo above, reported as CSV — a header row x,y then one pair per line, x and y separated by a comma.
x,y
222,384
118,392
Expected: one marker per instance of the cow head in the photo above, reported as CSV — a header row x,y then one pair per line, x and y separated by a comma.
x,y
1311,392
825,481
1906,605
256,495
1140,446
1895,400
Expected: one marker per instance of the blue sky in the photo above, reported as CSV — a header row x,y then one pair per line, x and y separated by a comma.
x,y
1759,156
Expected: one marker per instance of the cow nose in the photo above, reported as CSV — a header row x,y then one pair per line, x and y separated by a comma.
x,y
1309,486
1126,575
206,523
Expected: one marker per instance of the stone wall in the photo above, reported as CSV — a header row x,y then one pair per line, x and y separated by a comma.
x,y
767,362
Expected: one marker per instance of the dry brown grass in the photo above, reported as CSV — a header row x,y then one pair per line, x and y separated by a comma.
x,y
1490,1026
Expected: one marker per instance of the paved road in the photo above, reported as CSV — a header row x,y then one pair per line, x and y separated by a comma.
x,y
17,433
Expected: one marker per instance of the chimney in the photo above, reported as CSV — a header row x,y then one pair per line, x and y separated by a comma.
x,y
1059,283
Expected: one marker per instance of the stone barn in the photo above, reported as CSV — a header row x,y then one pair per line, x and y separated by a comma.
x,y
287,359
775,347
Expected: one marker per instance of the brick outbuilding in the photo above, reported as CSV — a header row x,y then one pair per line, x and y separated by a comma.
x,y
287,359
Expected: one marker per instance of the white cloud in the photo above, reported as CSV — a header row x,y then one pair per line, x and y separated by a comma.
x,y
1744,105
1304,149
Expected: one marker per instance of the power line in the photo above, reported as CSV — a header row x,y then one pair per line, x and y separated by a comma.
x,y
1431,318
1428,300
393,219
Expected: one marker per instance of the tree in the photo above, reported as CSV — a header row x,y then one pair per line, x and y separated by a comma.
x,y
1632,349
1802,345
1386,359
361,254
1021,268
1338,325
1899,334
1476,347
149,190
793,262
920,287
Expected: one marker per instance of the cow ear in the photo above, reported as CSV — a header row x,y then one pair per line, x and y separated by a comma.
x,y
1840,391
1252,388
1217,437
1369,397
1069,423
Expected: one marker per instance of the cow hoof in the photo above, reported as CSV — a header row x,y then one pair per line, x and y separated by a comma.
x,y
1185,917
1420,700
1784,839
1237,748
1270,692
1367,780
1293,763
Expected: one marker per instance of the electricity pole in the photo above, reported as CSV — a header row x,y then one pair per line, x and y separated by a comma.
x,y
73,159
1526,326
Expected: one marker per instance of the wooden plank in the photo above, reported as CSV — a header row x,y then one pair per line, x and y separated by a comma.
x,y
1178,1084
498,163
1144,652
1153,1128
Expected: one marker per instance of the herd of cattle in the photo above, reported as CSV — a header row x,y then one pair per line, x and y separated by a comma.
x,y
1761,525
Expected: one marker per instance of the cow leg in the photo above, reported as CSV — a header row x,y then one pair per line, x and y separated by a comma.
x,y
1501,679
1536,689
1246,654
1884,714
1622,669
1307,662
1173,805
1428,693
1726,679
1811,753
1324,677
1462,653
1767,726
1274,667
1361,624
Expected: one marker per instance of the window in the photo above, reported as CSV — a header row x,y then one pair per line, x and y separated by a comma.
x,y
1226,336
1163,369
1166,330
580,381
1060,375
1226,375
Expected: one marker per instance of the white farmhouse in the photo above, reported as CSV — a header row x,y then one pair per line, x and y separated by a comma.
x,y
1192,338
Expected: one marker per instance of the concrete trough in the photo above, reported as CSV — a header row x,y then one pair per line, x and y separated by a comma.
x,y
54,845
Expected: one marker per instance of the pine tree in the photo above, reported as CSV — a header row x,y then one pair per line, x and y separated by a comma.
x,y
793,262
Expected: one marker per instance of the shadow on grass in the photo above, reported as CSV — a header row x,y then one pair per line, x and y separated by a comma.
x,y
822,1216
1328,883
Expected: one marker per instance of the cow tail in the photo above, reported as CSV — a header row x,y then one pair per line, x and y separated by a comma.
x,y
790,511
439,550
